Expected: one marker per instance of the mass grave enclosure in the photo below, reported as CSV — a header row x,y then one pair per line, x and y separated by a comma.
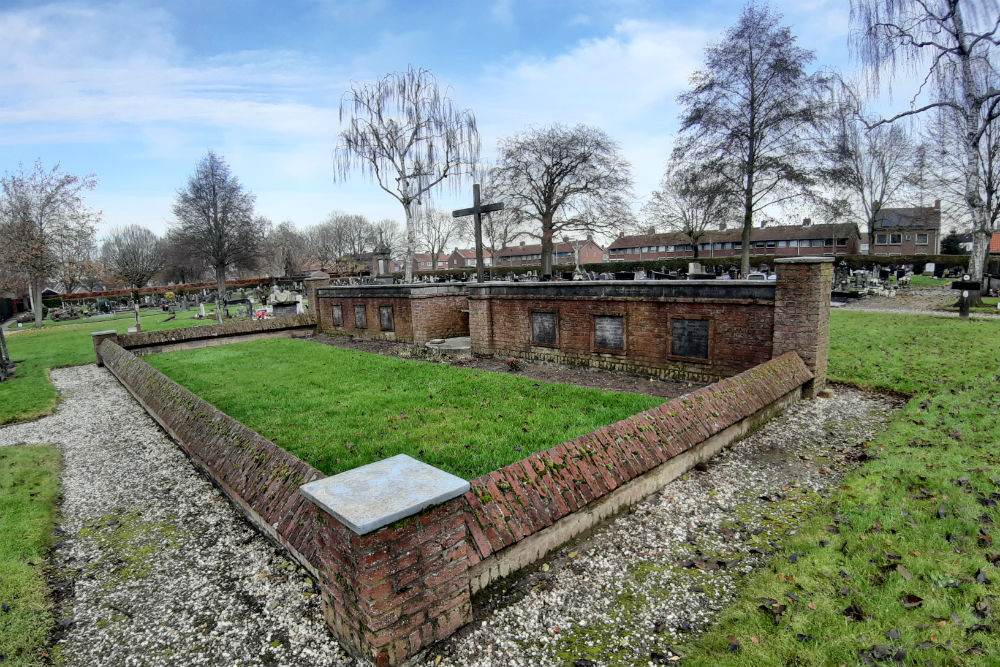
x,y
396,579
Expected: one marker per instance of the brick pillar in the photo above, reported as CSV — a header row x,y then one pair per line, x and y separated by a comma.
x,y
390,593
313,283
480,322
99,337
802,314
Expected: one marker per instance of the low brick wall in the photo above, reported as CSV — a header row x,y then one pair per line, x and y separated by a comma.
x,y
390,593
417,313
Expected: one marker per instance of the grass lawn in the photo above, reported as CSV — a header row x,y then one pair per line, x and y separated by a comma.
x,y
989,306
30,394
29,492
928,282
901,561
337,409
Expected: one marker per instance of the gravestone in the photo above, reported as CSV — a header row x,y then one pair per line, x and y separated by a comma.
x,y
338,316
285,309
385,317
689,338
360,318
543,328
609,332
201,310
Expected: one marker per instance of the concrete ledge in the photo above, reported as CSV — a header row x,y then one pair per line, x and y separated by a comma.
x,y
169,337
625,289
410,291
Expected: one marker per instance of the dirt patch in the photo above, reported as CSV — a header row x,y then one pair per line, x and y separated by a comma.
x,y
545,372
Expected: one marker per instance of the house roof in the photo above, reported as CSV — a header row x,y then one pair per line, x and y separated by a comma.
x,y
470,253
536,248
917,217
772,233
995,242
426,257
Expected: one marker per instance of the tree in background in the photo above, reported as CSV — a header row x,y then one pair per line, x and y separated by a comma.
x,y
500,228
39,211
435,231
952,44
565,180
691,200
387,236
76,254
405,134
132,255
952,244
180,266
751,113
866,169
215,222
285,250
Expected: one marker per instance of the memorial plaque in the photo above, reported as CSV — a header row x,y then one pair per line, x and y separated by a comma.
x,y
360,319
543,328
338,316
385,314
609,332
689,338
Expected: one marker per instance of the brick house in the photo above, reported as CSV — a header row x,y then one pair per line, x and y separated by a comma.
x,y
563,252
461,258
908,231
421,262
802,240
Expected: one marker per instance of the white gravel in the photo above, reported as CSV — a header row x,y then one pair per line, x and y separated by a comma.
x,y
158,569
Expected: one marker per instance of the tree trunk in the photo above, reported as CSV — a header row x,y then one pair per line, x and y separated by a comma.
x,y
135,300
547,246
411,242
747,226
35,291
220,292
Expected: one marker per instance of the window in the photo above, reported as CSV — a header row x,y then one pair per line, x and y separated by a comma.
x,y
704,246
895,239
771,244
543,329
360,320
841,242
718,246
338,316
728,245
817,243
737,245
609,332
760,244
663,248
782,244
922,239
881,239
828,242
794,243
385,317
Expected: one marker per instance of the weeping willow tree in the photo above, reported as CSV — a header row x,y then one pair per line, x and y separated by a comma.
x,y
405,134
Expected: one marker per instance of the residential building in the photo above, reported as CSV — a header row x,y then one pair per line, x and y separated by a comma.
x,y
461,258
563,252
908,231
806,239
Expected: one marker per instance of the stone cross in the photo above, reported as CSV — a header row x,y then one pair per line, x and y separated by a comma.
x,y
476,212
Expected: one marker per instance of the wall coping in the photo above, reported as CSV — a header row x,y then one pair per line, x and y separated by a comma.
x,y
804,260
407,291
702,289
132,341
95,334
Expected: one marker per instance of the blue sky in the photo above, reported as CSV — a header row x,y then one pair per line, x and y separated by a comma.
x,y
137,92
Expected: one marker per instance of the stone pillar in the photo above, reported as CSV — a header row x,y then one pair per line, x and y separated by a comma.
x,y
480,320
394,576
99,337
313,283
802,314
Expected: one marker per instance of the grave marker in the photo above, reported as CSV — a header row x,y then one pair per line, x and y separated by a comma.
x,y
543,328
690,338
609,332
476,212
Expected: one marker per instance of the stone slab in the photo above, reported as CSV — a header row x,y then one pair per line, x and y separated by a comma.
x,y
374,495
95,334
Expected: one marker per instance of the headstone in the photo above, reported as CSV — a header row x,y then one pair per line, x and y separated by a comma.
x,y
385,317
931,268
201,310
543,328
338,316
360,318
285,309
609,332
694,267
689,338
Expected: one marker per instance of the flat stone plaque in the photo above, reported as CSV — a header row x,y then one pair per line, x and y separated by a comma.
x,y
360,319
609,332
543,328
338,316
689,338
374,495
385,314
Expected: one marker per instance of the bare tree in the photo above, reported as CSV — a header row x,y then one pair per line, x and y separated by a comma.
x,y
39,211
867,168
500,228
74,252
133,255
691,201
435,231
387,236
285,250
180,266
953,42
215,222
750,113
563,179
405,134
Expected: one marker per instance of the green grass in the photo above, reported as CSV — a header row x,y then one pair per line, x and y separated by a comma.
x,y
337,409
989,306
917,521
928,282
30,394
29,492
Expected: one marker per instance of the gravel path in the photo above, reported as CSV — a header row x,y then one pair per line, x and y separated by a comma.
x,y
913,302
158,569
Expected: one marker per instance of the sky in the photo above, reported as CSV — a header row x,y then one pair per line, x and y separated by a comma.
x,y
137,92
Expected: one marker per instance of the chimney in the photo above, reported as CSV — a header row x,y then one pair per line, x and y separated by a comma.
x,y
722,226
522,244
937,204
806,222
763,223
590,238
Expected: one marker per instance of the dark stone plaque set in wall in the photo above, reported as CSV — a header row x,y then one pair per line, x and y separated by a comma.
x,y
360,319
385,315
609,332
338,316
543,328
689,338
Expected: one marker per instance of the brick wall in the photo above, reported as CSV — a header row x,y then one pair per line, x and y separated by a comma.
x,y
802,313
741,317
420,313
